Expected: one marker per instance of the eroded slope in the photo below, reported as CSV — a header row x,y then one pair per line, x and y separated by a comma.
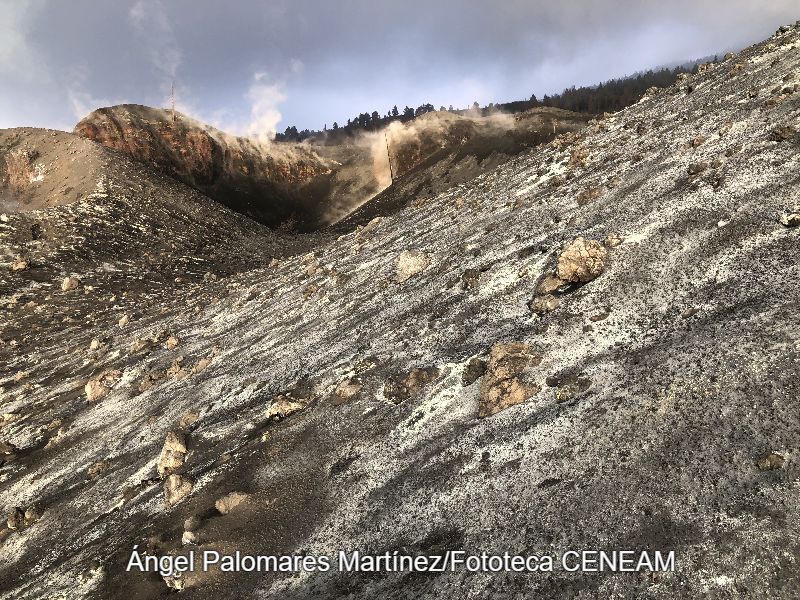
x,y
659,402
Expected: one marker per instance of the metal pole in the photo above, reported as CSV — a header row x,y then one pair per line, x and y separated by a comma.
x,y
389,156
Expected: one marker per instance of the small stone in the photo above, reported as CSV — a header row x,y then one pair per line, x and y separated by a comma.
x,y
588,195
548,285
188,419
790,219
770,462
504,384
139,345
171,343
570,387
470,279
124,320
283,407
541,305
698,141
69,283
346,390
95,344
99,387
173,453
31,516
230,501
96,469
190,538
16,520
697,168
581,261
20,264
613,240
176,488
201,365
410,263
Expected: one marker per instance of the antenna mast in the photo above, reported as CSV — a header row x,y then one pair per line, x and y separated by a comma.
x,y
172,101
389,156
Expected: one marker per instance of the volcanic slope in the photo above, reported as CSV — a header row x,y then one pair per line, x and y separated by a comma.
x,y
640,391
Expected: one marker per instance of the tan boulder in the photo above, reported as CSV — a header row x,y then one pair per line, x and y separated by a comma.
x,y
410,263
230,501
176,488
173,453
581,261
99,387
70,283
504,384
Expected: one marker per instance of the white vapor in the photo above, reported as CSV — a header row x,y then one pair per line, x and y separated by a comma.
x,y
264,98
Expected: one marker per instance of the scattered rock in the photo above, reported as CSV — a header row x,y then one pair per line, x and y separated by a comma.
x,y
695,169
99,387
784,133
192,523
411,262
150,380
20,518
201,365
283,406
587,196
95,344
503,385
470,279
569,386
176,370
770,462
346,390
139,345
190,538
541,305
790,219
613,240
229,502
188,419
176,488
475,369
581,261
548,284
70,283
16,520
400,388
96,469
698,141
20,264
171,343
173,453
124,320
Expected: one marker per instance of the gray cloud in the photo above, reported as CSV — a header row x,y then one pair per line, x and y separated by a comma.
x,y
253,65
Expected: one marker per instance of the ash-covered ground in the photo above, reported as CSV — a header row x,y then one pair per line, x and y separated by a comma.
x,y
593,346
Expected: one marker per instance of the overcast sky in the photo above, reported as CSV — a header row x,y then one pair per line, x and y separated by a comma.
x,y
249,66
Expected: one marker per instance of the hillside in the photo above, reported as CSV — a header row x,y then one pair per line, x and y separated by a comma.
x,y
589,346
